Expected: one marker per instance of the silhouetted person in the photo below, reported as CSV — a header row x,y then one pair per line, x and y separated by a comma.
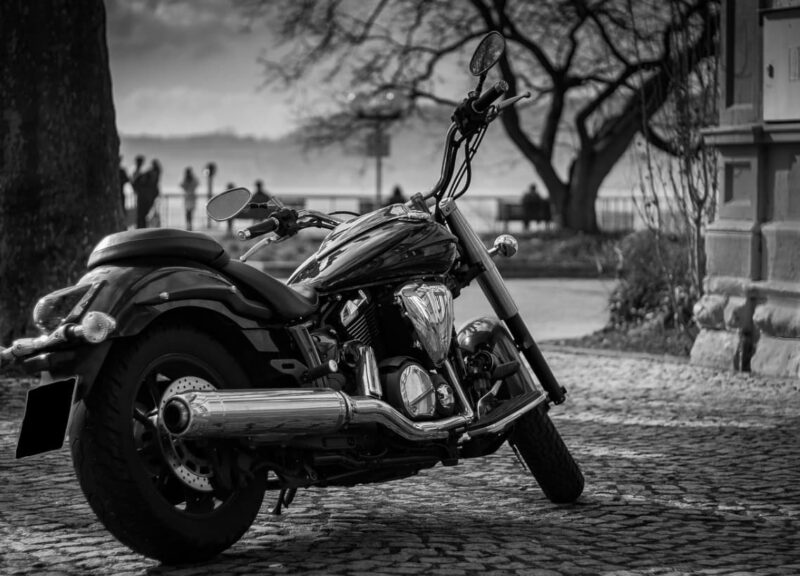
x,y
534,207
189,185
149,184
396,197
138,184
260,194
123,179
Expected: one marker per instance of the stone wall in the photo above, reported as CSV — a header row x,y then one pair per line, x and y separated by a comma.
x,y
750,314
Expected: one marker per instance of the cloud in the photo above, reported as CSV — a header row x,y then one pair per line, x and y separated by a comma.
x,y
184,111
143,28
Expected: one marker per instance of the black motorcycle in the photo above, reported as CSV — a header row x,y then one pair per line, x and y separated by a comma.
x,y
191,382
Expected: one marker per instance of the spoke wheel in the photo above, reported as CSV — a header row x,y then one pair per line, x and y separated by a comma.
x,y
156,493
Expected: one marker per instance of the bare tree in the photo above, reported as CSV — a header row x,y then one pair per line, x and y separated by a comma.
x,y
678,189
596,68
59,159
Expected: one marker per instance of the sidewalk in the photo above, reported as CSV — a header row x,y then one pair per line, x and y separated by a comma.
x,y
688,471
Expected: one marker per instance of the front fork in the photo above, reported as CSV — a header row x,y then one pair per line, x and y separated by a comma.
x,y
494,287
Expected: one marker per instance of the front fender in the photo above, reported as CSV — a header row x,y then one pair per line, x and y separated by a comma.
x,y
491,334
479,333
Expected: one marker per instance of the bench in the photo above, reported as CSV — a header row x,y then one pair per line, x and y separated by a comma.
x,y
526,213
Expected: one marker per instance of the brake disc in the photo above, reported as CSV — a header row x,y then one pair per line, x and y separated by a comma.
x,y
186,459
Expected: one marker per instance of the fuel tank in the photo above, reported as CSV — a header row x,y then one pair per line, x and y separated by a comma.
x,y
388,244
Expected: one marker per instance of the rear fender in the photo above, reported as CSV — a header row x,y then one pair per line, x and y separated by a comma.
x,y
137,296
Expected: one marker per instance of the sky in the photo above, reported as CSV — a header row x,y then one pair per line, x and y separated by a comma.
x,y
183,67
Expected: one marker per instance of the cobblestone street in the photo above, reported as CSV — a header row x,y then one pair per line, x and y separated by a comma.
x,y
688,471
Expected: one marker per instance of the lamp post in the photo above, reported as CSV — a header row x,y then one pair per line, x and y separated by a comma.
x,y
210,171
380,110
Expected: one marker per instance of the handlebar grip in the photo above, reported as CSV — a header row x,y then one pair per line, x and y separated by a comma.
x,y
264,227
485,100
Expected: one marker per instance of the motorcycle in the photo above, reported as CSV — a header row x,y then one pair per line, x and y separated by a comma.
x,y
191,383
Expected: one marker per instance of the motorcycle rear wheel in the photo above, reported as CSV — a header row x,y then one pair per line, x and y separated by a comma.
x,y
119,455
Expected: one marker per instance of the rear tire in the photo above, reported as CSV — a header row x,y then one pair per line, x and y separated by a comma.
x,y
118,454
540,446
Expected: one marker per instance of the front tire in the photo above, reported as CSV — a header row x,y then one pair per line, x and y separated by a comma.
x,y
122,463
535,438
540,446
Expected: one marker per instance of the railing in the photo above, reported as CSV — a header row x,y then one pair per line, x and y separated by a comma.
x,y
614,213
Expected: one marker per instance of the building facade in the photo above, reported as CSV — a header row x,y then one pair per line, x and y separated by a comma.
x,y
750,314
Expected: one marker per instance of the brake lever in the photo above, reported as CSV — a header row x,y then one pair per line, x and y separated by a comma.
x,y
511,101
266,240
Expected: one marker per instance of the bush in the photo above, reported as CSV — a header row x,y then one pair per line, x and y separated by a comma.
x,y
654,282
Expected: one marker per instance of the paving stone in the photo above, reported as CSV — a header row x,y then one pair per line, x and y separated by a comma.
x,y
688,471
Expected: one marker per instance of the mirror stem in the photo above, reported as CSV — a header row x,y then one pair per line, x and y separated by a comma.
x,y
479,89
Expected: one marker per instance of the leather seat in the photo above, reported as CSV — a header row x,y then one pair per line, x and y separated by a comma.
x,y
288,302
164,242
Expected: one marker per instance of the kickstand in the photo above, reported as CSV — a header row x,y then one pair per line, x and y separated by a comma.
x,y
285,498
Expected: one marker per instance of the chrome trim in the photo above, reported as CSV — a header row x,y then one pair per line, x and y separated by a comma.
x,y
466,409
85,332
373,411
280,414
350,309
367,372
295,412
429,307
239,413
500,425
505,245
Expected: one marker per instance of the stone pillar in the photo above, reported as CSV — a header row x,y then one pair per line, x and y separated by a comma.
x,y
750,315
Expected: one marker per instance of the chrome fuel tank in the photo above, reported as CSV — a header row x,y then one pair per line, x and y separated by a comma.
x,y
391,243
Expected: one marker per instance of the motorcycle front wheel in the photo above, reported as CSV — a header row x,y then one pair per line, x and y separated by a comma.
x,y
156,494
536,440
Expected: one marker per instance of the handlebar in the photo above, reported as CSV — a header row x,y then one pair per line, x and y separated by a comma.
x,y
487,98
264,227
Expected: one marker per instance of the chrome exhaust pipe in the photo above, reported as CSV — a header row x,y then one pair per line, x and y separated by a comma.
x,y
288,412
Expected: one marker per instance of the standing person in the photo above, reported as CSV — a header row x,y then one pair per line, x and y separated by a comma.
x,y
154,185
189,185
139,190
260,194
396,197
123,179
148,184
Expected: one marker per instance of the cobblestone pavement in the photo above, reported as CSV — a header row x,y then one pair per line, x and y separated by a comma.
x,y
688,471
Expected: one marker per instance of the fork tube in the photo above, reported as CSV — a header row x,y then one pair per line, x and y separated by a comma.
x,y
496,292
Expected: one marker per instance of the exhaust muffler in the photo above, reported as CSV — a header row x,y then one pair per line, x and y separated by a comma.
x,y
288,412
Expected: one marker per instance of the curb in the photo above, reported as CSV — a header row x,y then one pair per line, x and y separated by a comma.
x,y
609,353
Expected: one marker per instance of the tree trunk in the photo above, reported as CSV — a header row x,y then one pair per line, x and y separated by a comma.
x,y
585,179
59,180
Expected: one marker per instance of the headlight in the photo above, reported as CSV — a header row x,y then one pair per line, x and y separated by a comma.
x,y
65,305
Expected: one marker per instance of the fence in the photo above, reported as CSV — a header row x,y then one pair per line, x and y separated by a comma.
x,y
614,213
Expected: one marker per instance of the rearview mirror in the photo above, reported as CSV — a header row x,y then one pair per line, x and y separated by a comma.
x,y
228,204
487,53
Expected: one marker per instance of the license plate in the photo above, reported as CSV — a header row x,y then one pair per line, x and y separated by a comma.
x,y
47,411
